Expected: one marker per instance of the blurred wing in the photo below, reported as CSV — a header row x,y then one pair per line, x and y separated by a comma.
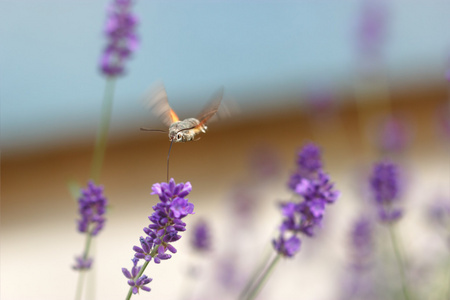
x,y
211,108
156,100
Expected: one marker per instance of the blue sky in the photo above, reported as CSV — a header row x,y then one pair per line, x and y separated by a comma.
x,y
50,88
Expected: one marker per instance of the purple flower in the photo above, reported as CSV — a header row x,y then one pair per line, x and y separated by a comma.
x,y
361,243
135,281
201,239
385,188
394,135
372,28
122,40
439,213
319,188
164,229
321,102
82,263
92,207
309,162
287,247
358,281
264,163
316,191
310,159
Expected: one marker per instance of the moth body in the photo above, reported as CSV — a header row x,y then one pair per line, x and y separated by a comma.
x,y
186,130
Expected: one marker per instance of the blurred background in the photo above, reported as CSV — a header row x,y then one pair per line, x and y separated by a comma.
x,y
365,80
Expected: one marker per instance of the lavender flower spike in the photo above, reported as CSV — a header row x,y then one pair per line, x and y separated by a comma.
x,y
316,191
92,207
385,187
166,224
122,39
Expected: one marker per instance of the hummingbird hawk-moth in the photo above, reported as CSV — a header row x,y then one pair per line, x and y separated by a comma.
x,y
180,130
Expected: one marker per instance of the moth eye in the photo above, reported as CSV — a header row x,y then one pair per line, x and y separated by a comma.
x,y
179,136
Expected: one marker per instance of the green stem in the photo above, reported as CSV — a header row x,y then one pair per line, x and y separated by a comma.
x,y
82,272
87,245
400,262
447,292
102,131
79,285
263,279
255,275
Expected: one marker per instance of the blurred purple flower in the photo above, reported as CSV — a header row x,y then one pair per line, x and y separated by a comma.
x,y
316,190
309,162
394,135
264,162
385,188
371,30
358,282
229,272
82,263
439,213
321,101
122,39
92,207
201,240
243,204
287,247
319,188
135,281
361,243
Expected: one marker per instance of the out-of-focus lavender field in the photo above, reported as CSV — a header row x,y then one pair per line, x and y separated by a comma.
x,y
324,175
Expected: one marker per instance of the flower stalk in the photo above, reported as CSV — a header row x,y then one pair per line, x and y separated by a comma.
x,y
400,262
253,293
103,128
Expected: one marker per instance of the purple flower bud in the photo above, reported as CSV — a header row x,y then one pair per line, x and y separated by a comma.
x,y
145,288
135,290
171,248
139,255
126,273
137,249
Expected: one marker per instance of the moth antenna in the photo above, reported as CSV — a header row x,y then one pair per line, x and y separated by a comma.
x,y
168,159
153,130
